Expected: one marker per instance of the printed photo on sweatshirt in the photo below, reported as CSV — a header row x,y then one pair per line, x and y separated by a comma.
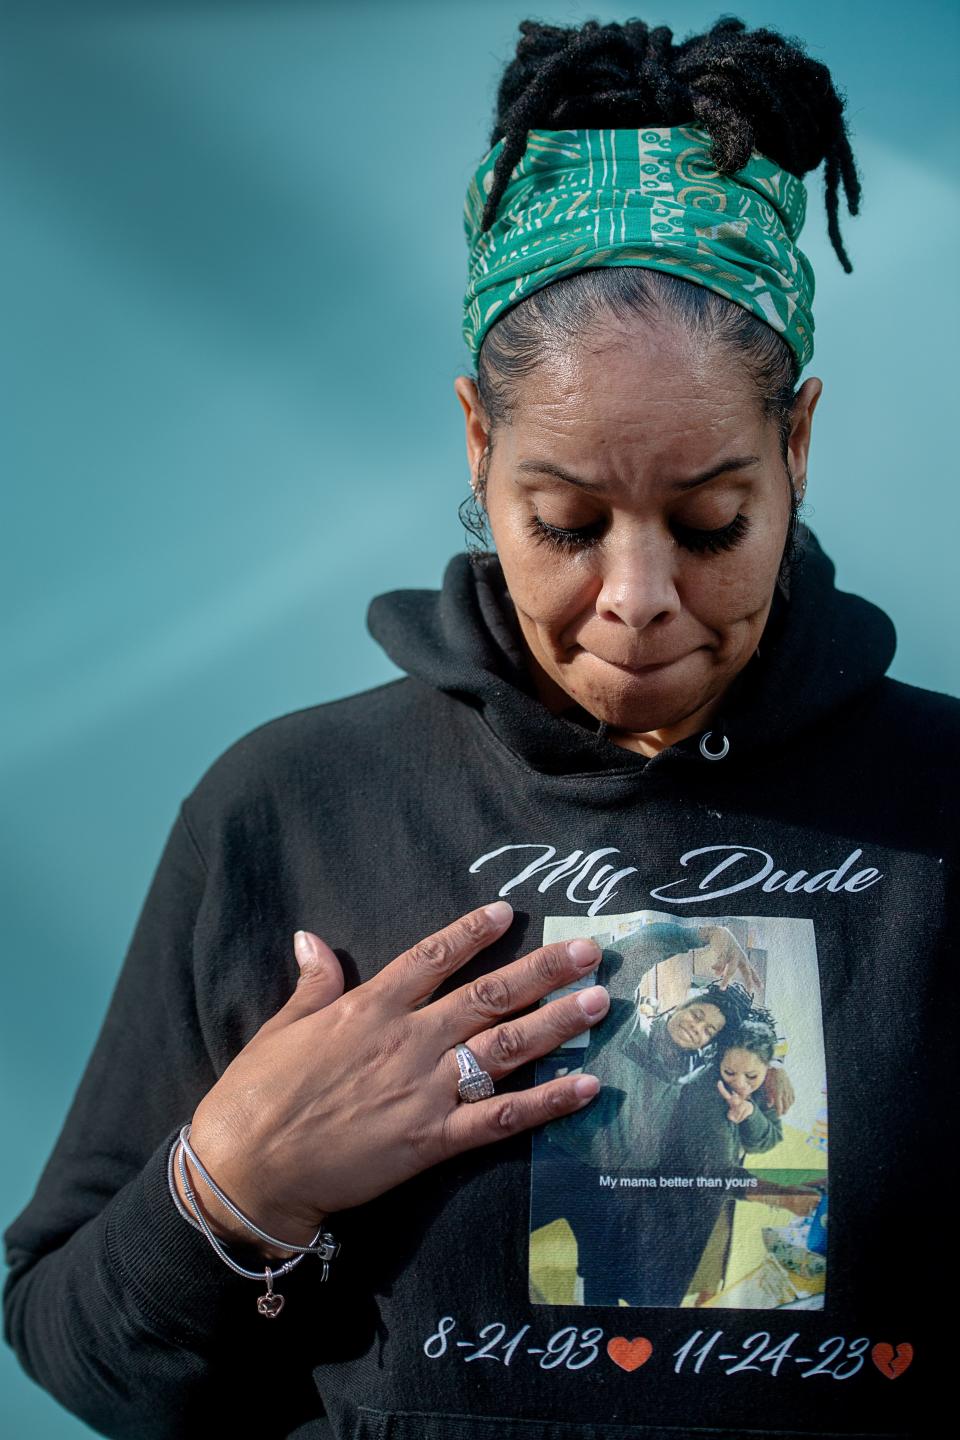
x,y
698,1176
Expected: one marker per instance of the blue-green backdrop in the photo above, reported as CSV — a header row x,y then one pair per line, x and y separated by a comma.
x,y
229,416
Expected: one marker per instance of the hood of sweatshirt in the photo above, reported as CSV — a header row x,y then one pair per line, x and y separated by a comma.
x,y
821,648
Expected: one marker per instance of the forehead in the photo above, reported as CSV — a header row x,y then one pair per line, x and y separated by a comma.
x,y
711,1013
738,1056
643,395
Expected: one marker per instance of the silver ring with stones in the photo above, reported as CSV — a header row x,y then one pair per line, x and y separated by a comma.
x,y
474,1083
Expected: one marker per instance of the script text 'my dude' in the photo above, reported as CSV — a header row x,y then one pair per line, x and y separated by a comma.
x,y
593,876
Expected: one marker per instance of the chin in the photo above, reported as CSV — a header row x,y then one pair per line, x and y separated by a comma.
x,y
640,716
682,1044
643,721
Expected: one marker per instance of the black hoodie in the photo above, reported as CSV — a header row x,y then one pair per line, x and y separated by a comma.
x,y
455,1306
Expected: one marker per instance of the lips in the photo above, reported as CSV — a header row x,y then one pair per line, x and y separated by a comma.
x,y
649,667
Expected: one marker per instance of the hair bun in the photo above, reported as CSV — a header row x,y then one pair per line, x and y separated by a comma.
x,y
749,89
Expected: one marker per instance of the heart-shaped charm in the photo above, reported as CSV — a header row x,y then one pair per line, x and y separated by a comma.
x,y
892,1361
270,1304
629,1354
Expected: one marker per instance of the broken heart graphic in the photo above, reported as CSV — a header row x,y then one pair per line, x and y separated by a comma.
x,y
892,1361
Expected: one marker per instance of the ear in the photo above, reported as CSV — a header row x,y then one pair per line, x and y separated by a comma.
x,y
478,436
798,444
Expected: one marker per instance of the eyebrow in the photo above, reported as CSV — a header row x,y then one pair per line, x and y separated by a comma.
x,y
548,467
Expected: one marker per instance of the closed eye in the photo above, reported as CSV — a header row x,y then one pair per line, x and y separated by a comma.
x,y
712,541
582,537
579,538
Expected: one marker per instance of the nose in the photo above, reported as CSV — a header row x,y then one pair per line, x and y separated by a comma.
x,y
639,583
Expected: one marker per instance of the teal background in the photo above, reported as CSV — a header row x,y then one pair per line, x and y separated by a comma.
x,y
229,416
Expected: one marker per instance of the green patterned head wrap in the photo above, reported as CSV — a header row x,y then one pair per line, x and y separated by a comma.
x,y
582,199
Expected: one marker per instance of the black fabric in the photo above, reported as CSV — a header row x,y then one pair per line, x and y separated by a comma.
x,y
376,819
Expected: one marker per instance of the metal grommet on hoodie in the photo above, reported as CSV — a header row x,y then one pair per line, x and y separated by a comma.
x,y
713,754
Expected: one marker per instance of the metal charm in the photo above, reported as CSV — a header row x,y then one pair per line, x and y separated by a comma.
x,y
325,1252
272,1303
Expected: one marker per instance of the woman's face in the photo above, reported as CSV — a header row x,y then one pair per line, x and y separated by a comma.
x,y
742,1072
695,1024
639,504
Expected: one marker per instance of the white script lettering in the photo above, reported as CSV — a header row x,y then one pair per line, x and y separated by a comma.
x,y
723,869
577,864
737,857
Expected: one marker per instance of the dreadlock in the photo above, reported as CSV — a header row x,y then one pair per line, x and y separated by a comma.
x,y
733,1001
750,90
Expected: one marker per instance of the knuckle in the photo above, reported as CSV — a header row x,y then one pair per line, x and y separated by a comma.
x,y
506,1116
474,927
563,1021
505,1045
552,965
352,1006
556,1101
433,953
489,996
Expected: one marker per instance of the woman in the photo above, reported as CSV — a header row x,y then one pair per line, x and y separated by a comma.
x,y
720,1115
723,1116
588,727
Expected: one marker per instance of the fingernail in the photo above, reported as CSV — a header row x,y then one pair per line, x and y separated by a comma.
x,y
304,948
586,1086
583,953
592,1002
499,913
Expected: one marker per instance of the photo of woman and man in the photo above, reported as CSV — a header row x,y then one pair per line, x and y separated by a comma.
x,y
698,1176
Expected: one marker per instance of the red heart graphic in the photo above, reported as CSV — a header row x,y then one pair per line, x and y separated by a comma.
x,y
629,1354
892,1362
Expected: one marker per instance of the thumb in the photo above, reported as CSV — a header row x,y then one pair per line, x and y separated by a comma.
x,y
321,978
319,983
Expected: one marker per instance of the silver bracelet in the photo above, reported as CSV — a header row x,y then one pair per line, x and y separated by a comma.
x,y
322,1245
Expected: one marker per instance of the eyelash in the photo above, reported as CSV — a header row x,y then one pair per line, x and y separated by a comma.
x,y
710,542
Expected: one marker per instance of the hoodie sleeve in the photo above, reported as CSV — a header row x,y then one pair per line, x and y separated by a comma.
x,y
594,1136
627,961
113,1302
761,1130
